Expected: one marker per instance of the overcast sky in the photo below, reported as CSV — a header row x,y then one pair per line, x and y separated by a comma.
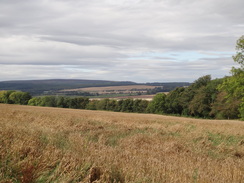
x,y
123,40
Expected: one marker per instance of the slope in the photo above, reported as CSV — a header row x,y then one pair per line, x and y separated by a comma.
x,y
63,145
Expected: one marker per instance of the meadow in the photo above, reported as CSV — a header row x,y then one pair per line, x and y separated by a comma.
x,y
41,144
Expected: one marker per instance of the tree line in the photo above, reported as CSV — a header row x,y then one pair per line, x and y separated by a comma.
x,y
24,98
205,98
14,97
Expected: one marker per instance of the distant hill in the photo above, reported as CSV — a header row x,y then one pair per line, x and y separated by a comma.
x,y
37,87
40,87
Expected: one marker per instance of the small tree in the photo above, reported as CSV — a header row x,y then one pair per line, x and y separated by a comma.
x,y
19,97
239,57
35,101
173,104
157,105
4,96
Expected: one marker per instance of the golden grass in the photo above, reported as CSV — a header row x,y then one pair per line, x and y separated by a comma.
x,y
101,89
40,144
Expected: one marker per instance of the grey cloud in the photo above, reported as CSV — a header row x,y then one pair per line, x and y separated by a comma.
x,y
141,71
107,36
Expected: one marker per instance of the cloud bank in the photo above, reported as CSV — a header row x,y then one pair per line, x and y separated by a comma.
x,y
136,40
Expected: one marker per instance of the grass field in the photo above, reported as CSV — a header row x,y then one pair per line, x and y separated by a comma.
x,y
40,144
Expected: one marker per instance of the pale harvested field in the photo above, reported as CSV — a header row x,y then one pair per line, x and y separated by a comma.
x,y
101,89
140,97
40,144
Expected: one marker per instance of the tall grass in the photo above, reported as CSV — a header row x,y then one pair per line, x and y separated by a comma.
x,y
63,145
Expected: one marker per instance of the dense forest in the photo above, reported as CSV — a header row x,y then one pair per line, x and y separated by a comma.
x,y
205,98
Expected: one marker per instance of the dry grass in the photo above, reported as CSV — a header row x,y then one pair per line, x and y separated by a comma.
x,y
107,88
140,97
62,145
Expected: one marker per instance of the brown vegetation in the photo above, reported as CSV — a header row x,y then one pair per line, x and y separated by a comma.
x,y
128,87
114,89
40,144
142,97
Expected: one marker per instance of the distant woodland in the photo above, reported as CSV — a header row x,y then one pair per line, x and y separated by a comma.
x,y
205,98
57,86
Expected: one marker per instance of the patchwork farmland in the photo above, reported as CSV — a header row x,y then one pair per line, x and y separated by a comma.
x,y
130,89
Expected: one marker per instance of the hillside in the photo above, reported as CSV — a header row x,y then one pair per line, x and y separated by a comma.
x,y
63,145
56,86
40,86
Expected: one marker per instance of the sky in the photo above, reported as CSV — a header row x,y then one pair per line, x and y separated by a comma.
x,y
120,40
